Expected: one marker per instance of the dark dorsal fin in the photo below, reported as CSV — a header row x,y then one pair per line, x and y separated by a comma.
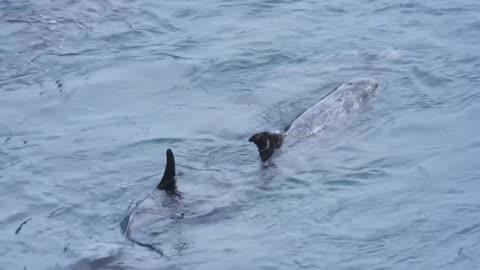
x,y
267,143
169,183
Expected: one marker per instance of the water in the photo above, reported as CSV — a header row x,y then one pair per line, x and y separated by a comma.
x,y
92,93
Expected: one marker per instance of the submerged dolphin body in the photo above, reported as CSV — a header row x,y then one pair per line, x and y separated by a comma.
x,y
344,99
155,207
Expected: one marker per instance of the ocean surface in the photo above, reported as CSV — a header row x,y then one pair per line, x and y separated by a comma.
x,y
93,92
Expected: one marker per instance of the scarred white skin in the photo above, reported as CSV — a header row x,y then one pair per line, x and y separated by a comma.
x,y
346,98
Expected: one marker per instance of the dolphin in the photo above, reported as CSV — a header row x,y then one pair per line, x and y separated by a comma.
x,y
341,101
156,206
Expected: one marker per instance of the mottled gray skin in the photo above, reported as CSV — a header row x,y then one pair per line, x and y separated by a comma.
x,y
346,98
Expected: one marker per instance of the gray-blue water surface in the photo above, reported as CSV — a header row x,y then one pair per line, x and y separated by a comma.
x,y
92,93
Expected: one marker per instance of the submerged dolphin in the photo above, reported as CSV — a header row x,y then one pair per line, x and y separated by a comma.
x,y
155,207
342,100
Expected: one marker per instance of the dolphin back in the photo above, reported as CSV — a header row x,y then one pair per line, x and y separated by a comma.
x,y
330,109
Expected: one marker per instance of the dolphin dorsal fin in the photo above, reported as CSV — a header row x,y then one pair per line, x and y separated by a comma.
x,y
168,183
267,143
